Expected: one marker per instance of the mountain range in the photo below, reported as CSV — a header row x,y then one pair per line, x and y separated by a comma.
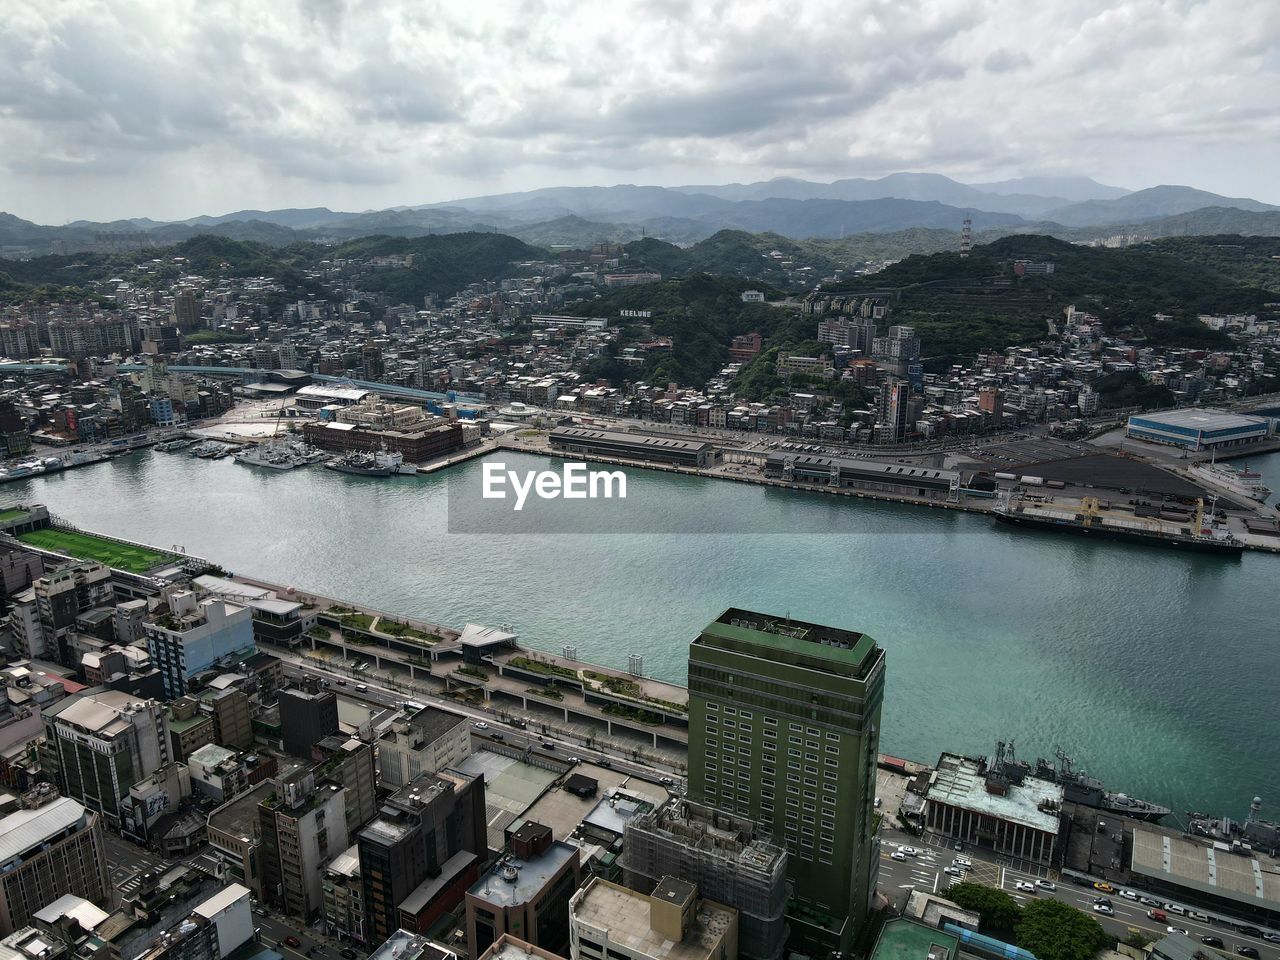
x,y
1073,208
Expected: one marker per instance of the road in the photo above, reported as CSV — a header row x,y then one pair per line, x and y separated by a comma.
x,y
925,871
563,747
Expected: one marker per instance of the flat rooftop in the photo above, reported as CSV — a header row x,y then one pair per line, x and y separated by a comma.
x,y
626,915
904,939
813,645
1195,418
645,441
960,782
531,876
239,817
1203,866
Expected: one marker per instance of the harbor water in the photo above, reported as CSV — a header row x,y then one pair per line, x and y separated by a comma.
x,y
1157,671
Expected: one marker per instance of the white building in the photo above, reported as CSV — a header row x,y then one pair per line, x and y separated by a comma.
x,y
424,742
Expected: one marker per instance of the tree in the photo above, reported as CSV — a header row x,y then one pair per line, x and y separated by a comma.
x,y
996,909
1052,930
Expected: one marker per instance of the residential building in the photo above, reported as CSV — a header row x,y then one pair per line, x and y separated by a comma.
x,y
526,893
189,729
784,728
609,922
217,773
303,826
215,929
307,714
232,721
99,744
420,854
350,762
235,836
423,742
59,598
196,635
725,856
344,897
892,421
406,945
54,849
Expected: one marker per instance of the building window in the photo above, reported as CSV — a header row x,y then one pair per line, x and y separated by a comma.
x,y
713,706
770,721
796,727
747,715
832,736
730,711
730,723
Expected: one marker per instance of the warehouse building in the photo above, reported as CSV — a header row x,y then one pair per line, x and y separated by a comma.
x,y
867,475
1015,815
1198,429
1212,874
633,446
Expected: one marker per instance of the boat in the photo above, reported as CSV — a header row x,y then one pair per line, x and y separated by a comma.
x,y
210,450
180,444
380,464
1242,482
1079,787
1093,518
276,455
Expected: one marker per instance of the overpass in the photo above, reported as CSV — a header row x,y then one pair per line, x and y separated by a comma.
x,y
254,374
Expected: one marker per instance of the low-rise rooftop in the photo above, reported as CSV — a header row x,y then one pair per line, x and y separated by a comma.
x,y
960,782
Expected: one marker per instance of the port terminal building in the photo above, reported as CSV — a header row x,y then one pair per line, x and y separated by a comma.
x,y
1199,430
994,807
898,478
1235,878
633,446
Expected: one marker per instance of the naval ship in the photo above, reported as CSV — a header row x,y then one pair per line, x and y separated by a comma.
x,y
1081,788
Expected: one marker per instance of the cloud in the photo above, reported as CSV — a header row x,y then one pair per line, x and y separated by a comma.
x,y
117,109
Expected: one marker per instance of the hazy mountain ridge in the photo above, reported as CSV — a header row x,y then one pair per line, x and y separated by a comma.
x,y
798,209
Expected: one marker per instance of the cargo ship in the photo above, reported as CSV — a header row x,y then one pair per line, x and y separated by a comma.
x,y
1079,787
1196,531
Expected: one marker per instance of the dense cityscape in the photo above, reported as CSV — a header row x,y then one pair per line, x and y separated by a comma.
x,y
795,556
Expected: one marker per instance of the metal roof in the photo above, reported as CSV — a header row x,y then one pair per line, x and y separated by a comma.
x,y
26,829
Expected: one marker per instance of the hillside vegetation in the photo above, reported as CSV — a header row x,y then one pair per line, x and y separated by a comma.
x,y
959,305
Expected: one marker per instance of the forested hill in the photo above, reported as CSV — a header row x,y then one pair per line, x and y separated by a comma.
x,y
957,303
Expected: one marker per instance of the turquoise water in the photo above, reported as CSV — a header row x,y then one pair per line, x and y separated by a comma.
x,y
1157,671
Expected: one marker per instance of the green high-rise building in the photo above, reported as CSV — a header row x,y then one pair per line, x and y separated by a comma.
x,y
784,727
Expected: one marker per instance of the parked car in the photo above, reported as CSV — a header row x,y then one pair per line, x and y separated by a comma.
x,y
1148,902
1249,931
1129,895
1271,937
1104,887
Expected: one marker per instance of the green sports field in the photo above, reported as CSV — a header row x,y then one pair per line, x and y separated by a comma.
x,y
86,547
13,514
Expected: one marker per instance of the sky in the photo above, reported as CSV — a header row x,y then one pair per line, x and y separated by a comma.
x,y
176,108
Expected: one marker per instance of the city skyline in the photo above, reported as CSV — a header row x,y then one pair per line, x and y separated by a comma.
x,y
113,113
